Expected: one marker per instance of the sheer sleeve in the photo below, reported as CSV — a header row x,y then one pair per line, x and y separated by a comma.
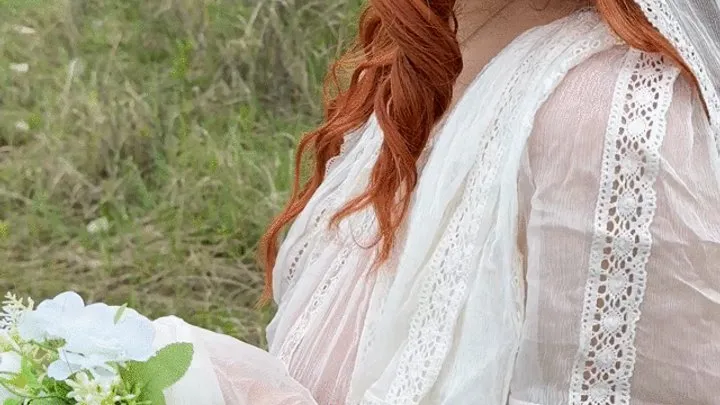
x,y
619,195
226,371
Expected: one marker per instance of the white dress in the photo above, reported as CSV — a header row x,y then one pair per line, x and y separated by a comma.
x,y
562,248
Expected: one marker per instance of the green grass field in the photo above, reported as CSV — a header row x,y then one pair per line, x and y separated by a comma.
x,y
172,120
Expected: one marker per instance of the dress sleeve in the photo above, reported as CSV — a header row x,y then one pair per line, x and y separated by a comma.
x,y
226,371
619,195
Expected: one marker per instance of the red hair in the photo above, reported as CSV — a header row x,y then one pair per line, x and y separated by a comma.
x,y
404,65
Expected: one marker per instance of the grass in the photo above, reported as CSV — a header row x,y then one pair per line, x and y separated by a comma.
x,y
174,121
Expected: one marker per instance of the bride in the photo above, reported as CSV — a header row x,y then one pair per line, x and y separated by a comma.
x,y
511,203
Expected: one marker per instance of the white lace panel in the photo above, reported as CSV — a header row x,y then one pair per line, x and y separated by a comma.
x,y
308,247
621,243
693,28
364,224
443,292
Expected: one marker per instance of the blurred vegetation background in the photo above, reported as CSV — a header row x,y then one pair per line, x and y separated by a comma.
x,y
145,144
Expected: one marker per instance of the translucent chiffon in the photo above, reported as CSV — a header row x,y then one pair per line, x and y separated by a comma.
x,y
593,279
678,328
226,371
449,288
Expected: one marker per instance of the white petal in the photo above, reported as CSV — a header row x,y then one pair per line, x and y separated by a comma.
x,y
61,370
139,334
52,318
127,313
76,360
5,395
33,327
105,375
10,362
69,301
100,311
79,341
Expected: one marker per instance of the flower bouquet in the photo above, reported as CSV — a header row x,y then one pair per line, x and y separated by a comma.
x,y
64,352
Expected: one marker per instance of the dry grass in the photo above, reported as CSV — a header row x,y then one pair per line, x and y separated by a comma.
x,y
175,120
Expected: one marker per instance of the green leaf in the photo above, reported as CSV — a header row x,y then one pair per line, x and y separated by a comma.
x,y
162,371
26,378
119,313
12,401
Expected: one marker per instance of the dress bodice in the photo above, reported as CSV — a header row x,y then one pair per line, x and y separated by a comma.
x,y
558,249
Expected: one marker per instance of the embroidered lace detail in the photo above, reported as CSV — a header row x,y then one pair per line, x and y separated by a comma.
x,y
292,268
622,238
317,229
364,222
300,327
664,20
320,237
444,290
314,232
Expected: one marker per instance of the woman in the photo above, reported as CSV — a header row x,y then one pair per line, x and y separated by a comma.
x,y
515,206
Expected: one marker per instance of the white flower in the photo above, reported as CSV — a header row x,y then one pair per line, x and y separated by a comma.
x,y
24,30
19,67
94,341
98,225
10,362
90,391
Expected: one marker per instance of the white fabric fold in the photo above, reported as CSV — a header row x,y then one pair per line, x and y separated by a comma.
x,y
226,371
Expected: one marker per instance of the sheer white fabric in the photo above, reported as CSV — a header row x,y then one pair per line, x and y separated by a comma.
x,y
559,250
225,371
693,27
454,276
622,297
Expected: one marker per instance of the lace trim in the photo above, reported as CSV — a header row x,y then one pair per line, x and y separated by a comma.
x,y
320,237
443,292
300,252
330,204
665,21
622,239
329,285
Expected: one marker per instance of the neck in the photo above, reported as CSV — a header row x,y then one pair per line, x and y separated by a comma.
x,y
485,27
507,17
